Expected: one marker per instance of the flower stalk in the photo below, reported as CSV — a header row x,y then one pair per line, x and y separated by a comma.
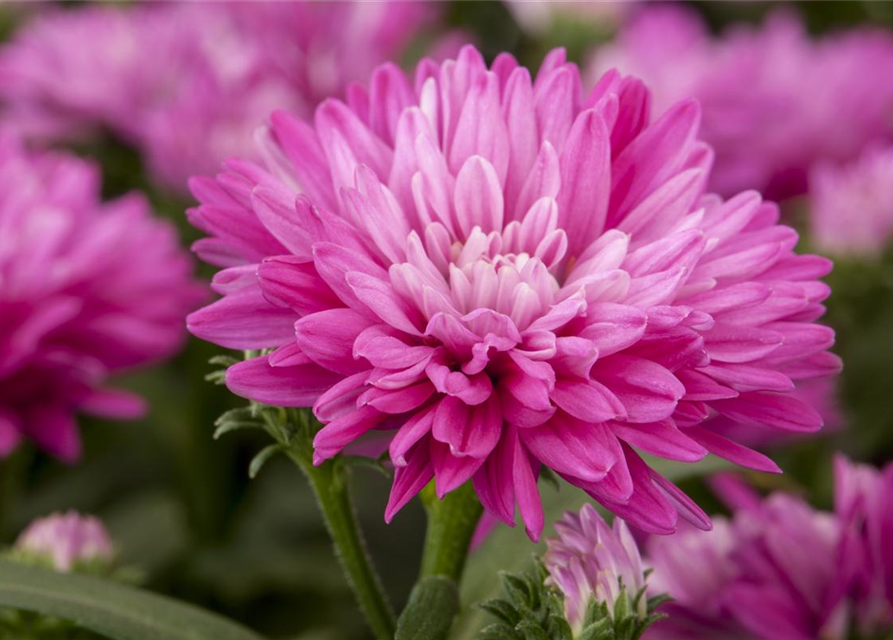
x,y
330,484
451,524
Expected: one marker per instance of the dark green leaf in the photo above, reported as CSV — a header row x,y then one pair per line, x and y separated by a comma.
x,y
109,608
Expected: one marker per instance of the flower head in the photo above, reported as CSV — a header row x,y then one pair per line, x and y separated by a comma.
x,y
66,540
86,289
780,569
505,273
773,98
215,70
590,561
851,204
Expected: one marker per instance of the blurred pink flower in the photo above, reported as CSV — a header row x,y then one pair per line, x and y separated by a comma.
x,y
86,289
504,273
539,16
782,570
852,205
188,82
67,540
591,561
773,99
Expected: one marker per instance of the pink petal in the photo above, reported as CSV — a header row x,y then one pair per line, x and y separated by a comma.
x,y
244,320
647,390
333,437
327,338
409,480
779,411
297,386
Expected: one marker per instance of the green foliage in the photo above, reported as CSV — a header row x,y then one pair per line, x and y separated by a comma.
x,y
534,610
105,607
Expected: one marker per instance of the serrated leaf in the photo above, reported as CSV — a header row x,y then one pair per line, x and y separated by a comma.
x,y
262,458
502,610
498,631
530,630
109,608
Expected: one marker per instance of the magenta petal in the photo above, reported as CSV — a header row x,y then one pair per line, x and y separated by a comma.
x,y
244,320
327,338
115,403
297,386
732,451
54,429
573,448
287,281
409,480
648,391
661,439
526,492
587,400
451,472
380,297
469,431
333,437
409,434
494,483
780,411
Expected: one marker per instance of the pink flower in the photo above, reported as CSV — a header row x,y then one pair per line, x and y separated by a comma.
x,y
782,570
67,540
773,99
505,273
852,205
590,561
86,289
188,82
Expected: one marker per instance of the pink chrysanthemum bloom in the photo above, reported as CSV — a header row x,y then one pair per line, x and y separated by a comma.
x,y
505,273
86,289
781,569
773,99
66,540
852,205
591,561
215,70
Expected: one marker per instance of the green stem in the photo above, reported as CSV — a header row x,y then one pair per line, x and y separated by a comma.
x,y
451,525
330,484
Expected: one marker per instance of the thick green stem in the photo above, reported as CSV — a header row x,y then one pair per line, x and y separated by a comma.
x,y
329,482
451,525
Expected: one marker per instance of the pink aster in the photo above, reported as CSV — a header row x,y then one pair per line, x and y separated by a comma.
x,y
192,80
773,98
590,561
87,289
781,569
66,540
504,273
852,205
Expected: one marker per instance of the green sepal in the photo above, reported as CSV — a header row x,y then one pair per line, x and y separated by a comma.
x,y
262,458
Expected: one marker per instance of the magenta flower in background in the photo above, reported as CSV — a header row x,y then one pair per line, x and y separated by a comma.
x,y
193,80
774,101
86,289
504,273
66,539
591,561
782,570
852,205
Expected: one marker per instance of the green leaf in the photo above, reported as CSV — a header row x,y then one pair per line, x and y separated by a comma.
x,y
258,462
109,608
429,614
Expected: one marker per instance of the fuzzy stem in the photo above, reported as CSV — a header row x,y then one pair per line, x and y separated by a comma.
x,y
451,525
330,484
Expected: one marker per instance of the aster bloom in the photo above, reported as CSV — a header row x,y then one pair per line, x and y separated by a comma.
x,y
851,210
773,99
590,561
87,289
66,540
781,569
215,71
505,273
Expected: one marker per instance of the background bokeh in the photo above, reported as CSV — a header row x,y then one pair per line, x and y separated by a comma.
x,y
181,505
